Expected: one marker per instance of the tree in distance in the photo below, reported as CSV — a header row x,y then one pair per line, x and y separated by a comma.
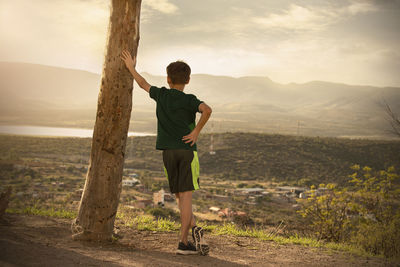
x,y
393,119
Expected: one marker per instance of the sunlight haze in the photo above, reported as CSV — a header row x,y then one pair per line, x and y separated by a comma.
x,y
354,42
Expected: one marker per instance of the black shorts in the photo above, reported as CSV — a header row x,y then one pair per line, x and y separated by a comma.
x,y
182,169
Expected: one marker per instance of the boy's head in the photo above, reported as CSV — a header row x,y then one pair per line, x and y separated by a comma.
x,y
178,72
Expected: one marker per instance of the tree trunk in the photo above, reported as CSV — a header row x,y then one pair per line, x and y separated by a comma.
x,y
100,198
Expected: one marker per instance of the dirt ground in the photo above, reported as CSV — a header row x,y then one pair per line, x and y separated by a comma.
x,y
42,241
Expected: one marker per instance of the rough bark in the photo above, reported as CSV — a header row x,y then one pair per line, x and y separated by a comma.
x,y
100,198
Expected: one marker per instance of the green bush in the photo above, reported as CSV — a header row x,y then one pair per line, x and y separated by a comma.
x,y
377,201
328,213
164,213
243,221
366,213
256,186
378,238
305,182
241,185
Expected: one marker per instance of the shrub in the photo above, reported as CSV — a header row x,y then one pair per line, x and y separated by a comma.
x,y
367,213
164,213
305,182
377,201
243,221
328,213
241,185
256,186
379,238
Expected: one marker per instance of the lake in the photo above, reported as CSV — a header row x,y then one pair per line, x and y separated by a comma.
x,y
54,131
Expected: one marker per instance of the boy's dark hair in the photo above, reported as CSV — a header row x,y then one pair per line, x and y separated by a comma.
x,y
178,72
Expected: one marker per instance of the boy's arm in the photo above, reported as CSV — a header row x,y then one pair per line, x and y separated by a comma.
x,y
130,63
205,111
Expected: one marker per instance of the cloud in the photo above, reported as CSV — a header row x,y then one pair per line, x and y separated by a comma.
x,y
385,4
359,8
312,18
163,6
295,18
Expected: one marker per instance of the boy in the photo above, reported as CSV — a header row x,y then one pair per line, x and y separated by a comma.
x,y
177,135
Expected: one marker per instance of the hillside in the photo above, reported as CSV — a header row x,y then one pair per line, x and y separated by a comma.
x,y
263,157
257,104
239,156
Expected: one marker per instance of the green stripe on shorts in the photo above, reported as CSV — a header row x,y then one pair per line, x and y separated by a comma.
x,y
195,166
165,171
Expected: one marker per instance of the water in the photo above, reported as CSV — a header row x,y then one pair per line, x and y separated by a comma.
x,y
54,131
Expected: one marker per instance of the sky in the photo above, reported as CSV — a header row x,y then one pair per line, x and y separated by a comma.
x,y
345,41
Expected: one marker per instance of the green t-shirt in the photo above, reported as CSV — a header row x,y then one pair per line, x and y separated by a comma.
x,y
176,117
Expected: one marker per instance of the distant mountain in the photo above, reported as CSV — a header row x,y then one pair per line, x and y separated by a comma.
x,y
29,92
38,86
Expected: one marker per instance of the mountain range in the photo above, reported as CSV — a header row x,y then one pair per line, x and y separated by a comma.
x,y
47,95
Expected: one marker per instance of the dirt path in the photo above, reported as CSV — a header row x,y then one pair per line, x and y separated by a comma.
x,y
41,241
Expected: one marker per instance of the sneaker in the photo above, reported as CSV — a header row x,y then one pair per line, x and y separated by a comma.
x,y
186,249
201,245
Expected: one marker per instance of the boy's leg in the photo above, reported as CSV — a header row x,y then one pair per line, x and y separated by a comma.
x,y
187,218
193,220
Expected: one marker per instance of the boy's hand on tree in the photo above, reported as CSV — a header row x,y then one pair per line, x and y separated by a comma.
x,y
191,138
127,58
